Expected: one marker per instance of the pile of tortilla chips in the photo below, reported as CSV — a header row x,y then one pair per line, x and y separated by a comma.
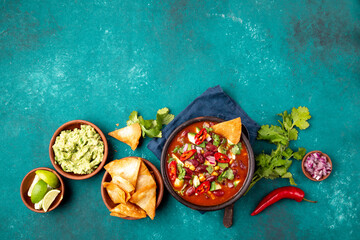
x,y
132,187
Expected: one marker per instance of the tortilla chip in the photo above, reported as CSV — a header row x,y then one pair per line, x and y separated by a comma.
x,y
123,184
129,210
129,135
116,194
145,192
231,130
126,168
118,215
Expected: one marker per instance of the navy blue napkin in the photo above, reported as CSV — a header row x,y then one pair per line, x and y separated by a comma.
x,y
213,102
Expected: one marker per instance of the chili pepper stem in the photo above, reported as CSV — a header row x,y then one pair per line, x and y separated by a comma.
x,y
309,200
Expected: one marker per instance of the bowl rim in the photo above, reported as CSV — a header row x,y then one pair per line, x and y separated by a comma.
x,y
308,174
250,173
159,185
62,189
73,175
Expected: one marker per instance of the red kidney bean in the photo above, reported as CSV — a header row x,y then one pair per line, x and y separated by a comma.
x,y
187,177
193,162
235,172
218,193
241,165
211,147
211,178
208,153
189,172
190,191
201,168
201,158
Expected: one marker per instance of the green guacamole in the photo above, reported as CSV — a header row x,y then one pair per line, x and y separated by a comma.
x,y
79,151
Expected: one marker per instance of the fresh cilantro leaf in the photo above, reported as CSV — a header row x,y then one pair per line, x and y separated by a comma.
x,y
181,171
229,174
209,129
210,169
299,154
276,164
151,128
176,149
273,134
236,149
300,116
216,139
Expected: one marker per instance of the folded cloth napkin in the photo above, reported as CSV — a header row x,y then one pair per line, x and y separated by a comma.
x,y
213,102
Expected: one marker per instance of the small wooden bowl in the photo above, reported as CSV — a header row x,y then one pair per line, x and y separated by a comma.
x,y
71,126
307,174
159,187
26,183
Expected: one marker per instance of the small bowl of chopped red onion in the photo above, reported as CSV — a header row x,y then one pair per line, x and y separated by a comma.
x,y
316,166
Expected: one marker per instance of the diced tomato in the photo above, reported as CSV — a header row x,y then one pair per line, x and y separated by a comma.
x,y
187,154
201,136
221,158
172,170
204,187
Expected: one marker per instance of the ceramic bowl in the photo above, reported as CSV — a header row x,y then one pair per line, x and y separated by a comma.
x,y
71,126
159,187
308,174
26,183
168,185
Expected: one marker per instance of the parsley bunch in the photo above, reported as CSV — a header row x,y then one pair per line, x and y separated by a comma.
x,y
276,164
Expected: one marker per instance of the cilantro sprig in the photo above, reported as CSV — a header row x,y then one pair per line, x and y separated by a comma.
x,y
151,128
276,164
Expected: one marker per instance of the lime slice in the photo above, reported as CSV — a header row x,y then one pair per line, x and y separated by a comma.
x,y
49,177
36,179
49,199
38,191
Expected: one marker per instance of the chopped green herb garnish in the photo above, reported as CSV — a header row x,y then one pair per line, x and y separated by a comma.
x,y
210,169
216,139
181,171
202,145
170,159
229,174
277,163
151,128
223,165
176,149
236,150
209,129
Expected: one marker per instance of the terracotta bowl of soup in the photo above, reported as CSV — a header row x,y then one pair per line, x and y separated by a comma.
x,y
220,185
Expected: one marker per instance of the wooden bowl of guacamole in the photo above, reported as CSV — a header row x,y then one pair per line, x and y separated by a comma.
x,y
78,149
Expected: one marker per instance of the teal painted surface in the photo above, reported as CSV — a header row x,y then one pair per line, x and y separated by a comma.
x,y
99,60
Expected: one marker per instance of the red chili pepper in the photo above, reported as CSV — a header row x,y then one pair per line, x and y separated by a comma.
x,y
204,187
280,193
221,158
172,170
201,136
187,154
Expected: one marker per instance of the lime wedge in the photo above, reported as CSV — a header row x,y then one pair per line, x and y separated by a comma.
x,y
49,199
39,191
36,179
48,177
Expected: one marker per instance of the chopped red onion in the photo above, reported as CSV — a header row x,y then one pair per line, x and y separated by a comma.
x,y
185,147
230,185
208,139
317,165
211,159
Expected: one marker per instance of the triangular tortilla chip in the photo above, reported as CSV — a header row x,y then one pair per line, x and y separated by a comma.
x,y
231,130
145,192
123,184
118,215
129,135
116,194
129,209
127,168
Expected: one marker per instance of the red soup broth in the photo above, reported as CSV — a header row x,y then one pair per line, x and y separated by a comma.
x,y
238,165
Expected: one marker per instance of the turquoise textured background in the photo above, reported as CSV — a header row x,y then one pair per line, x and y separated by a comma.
x,y
100,60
